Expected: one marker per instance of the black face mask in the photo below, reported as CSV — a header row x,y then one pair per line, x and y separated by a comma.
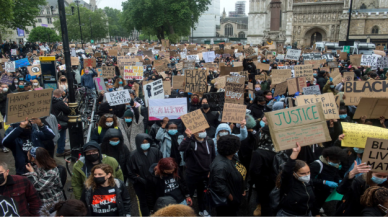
x,y
92,157
2,178
63,80
99,180
205,106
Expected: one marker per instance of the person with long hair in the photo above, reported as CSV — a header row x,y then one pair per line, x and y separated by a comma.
x,y
375,200
44,176
119,84
106,122
35,85
104,194
62,83
70,207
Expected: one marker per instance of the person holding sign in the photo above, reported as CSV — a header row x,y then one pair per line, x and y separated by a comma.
x,y
87,78
120,84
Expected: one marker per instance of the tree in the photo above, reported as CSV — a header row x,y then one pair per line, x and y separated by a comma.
x,y
163,17
94,24
42,34
116,27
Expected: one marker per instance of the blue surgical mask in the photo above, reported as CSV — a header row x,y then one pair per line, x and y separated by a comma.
x,y
21,79
114,143
331,86
172,132
333,164
128,120
177,58
378,180
145,146
106,82
315,75
358,150
339,66
223,133
21,86
344,116
172,59
120,82
262,123
110,89
149,69
264,61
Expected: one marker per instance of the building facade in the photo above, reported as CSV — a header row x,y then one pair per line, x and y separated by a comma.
x,y
235,28
207,22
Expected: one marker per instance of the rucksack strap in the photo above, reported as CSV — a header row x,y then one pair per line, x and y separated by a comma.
x,y
321,166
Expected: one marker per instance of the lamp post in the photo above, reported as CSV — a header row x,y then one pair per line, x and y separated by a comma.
x,y
79,21
91,33
350,15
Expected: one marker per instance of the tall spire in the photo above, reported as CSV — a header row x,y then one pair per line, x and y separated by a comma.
x,y
224,14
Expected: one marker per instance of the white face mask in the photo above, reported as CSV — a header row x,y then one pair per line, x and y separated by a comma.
x,y
202,135
304,179
15,81
109,124
5,89
223,133
35,84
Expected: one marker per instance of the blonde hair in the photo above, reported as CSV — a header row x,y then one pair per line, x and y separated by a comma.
x,y
89,183
60,83
33,81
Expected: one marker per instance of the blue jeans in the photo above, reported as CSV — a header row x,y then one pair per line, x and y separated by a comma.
x,y
61,141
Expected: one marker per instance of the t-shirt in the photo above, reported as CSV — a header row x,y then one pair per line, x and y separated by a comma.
x,y
171,188
104,202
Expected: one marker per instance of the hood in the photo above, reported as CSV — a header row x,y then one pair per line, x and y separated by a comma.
x,y
223,127
95,145
140,138
112,132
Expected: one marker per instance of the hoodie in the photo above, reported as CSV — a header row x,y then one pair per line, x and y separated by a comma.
x,y
243,133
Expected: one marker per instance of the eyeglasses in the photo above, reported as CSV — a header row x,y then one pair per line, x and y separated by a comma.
x,y
108,115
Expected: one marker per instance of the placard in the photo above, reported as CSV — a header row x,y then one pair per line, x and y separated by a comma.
x,y
234,89
312,90
34,70
209,57
372,108
178,82
196,81
14,52
167,87
74,61
281,89
126,61
153,90
118,97
315,63
249,51
5,79
370,60
262,66
245,74
179,66
133,72
100,84
329,105
22,63
195,121
304,71
220,82
173,108
357,134
293,54
226,70
9,66
296,85
355,59
375,153
233,113
303,124
108,71
280,75
355,90
343,56
261,77
90,62
215,100
112,53
31,104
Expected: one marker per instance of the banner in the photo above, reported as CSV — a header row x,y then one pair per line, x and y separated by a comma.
x,y
153,90
375,153
355,90
329,106
293,54
233,113
118,97
357,134
133,72
21,63
172,108
234,89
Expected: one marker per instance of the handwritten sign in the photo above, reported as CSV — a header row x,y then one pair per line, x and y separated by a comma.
x,y
281,89
167,87
312,90
233,113
179,66
172,108
195,121
234,89
303,124
357,134
90,62
118,97
249,51
355,59
126,61
280,75
220,82
153,90
34,70
370,60
113,53
304,71
99,83
262,66
5,79
22,63
296,85
108,71
9,66
375,154
293,54
133,72
372,108
215,100
28,104
329,105
225,70
196,81
178,82
355,90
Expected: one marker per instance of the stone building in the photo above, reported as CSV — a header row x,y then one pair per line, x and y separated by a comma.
x,y
233,27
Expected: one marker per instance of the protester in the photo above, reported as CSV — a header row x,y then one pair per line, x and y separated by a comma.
x,y
107,121
87,78
170,139
71,207
62,83
375,200
131,125
61,111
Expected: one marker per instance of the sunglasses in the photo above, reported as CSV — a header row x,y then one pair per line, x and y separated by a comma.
x,y
108,115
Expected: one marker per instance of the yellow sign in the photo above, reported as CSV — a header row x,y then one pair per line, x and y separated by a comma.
x,y
46,59
133,72
357,134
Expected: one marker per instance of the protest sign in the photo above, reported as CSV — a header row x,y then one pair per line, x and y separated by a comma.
x,y
36,63
262,66
179,66
173,108
372,108
369,60
249,51
234,89
167,87
220,82
113,53
118,97
343,56
348,76
194,58
333,65
312,90
280,75
212,66
379,48
29,104
74,61
261,77
21,63
9,66
188,65
335,73
99,83
280,57
245,74
34,70
375,153
5,79
303,124
225,70
329,106
305,71
357,134
215,100
153,90
133,72
195,121
127,61
196,81
209,57
281,89
382,62
337,79
97,54
90,62
98,70
233,113
14,52
355,90
108,71
293,54
355,59
315,63
296,85
178,82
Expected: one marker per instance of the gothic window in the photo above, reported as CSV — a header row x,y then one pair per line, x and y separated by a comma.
x,y
363,6
228,30
217,35
241,35
375,30
48,10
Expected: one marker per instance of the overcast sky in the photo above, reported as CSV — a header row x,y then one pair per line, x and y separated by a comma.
x,y
227,4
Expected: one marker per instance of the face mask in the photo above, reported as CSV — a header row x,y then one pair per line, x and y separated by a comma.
x,y
262,124
257,88
181,92
172,60
304,179
106,82
358,151
378,180
339,66
99,180
343,116
21,79
92,157
268,97
63,80
194,100
172,132
86,72
114,143
15,81
149,69
145,146
35,84
315,75
202,135
332,86
223,133
110,89
109,124
5,89
333,164
264,61
120,82
205,106
177,58
21,86
128,120
2,178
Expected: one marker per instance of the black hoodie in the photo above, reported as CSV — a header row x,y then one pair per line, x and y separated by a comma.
x,y
139,163
88,165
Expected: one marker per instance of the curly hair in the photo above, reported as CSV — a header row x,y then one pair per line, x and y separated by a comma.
x,y
89,183
334,153
167,164
70,207
103,120
228,145
374,195
116,85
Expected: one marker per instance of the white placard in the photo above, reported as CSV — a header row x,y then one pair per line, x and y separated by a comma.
x,y
293,54
118,97
14,52
9,66
209,56
153,90
172,108
193,58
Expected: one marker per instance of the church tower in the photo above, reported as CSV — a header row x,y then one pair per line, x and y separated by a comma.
x,y
224,14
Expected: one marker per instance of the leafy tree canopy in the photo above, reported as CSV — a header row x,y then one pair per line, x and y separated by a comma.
x,y
116,27
43,34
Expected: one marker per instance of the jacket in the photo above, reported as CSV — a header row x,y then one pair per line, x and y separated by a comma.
x,y
40,137
129,133
20,189
297,197
123,199
53,123
372,211
139,163
225,179
3,101
212,120
321,81
327,89
59,106
80,170
154,130
328,173
257,111
166,148
98,133
243,133
87,79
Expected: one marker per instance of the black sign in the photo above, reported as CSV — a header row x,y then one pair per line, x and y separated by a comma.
x,y
216,100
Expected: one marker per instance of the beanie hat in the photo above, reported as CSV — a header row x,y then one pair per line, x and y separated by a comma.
x,y
128,113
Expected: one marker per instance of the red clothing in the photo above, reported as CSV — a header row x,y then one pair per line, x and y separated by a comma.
x,y
20,189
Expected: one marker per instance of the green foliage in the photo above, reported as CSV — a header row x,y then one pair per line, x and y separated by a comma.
x,y
42,34
163,17
96,21
115,22
20,13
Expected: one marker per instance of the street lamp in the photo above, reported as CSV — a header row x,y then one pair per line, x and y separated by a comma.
x,y
79,21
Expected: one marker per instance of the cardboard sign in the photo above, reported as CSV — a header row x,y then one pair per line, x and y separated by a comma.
x,y
22,63
215,100
196,81
220,82
375,153
333,65
118,97
296,85
379,48
357,134
108,72
233,113
74,61
9,66
209,57
188,65
133,72
293,54
303,124
126,61
262,66
280,75
355,90
113,53
29,104
179,66
329,105
153,90
100,84
5,79
304,71
34,70
355,59
234,89
344,55
372,108
348,76
195,121
249,51
172,108
245,74
90,62
167,87
315,63
281,89
178,82
97,55
261,77
312,90
225,70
